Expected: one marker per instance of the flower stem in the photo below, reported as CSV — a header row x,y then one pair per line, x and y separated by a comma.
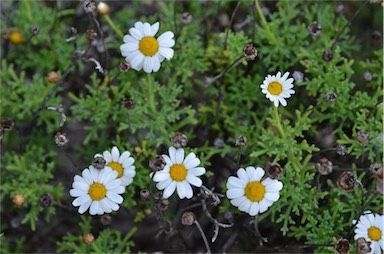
x,y
277,119
264,22
113,26
203,236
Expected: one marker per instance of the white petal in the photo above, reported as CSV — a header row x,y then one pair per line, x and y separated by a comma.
x,y
119,189
192,163
245,205
272,196
179,156
254,209
263,206
129,38
276,102
110,176
80,186
107,156
251,172
130,171
161,176
154,28
242,175
138,35
166,52
168,160
195,181
139,26
84,207
234,182
147,29
135,63
282,101
235,193
172,154
126,180
189,157
115,154
169,190
87,176
128,162
181,192
113,184
147,64
123,157
111,204
162,185
77,193
104,206
197,171
188,190
128,47
81,200
237,201
165,36
94,208
115,197
166,43
79,179
259,173
285,76
156,63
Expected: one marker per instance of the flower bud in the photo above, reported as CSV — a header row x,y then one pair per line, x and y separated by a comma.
x,y
330,97
61,139
346,181
18,200
362,246
250,52
102,9
15,36
376,169
188,218
179,140
327,55
88,238
35,30
274,170
315,28
241,141
46,200
98,162
157,163
342,246
186,18
124,66
53,77
129,103
324,166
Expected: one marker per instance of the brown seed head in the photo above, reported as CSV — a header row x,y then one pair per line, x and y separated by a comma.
x,y
315,28
124,66
88,238
250,52
324,166
179,140
327,55
330,97
346,181
376,169
341,150
98,162
274,170
241,141
188,218
18,200
61,139
342,246
129,103
46,200
363,136
53,77
186,18
6,123
105,219
362,246
157,163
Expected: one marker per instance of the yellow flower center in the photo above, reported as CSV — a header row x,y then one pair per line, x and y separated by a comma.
x,y
97,191
254,191
15,36
178,172
374,233
117,167
148,46
275,88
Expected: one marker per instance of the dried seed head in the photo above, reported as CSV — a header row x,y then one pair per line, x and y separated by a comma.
x,y
250,52
186,18
98,162
376,35
18,200
144,194
298,76
53,77
61,139
341,150
330,97
339,9
376,169
324,166
157,163
91,34
315,28
6,124
46,200
105,220
179,140
89,6
124,66
274,170
363,246
327,55
88,238
342,246
129,103
102,9
163,204
367,76
35,30
346,181
241,141
363,136
15,36
188,218
158,196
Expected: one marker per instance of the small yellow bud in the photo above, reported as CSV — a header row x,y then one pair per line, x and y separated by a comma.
x,y
53,77
18,200
102,9
88,238
15,36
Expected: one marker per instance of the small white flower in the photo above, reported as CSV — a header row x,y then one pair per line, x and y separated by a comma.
x,y
142,50
97,190
371,227
179,173
122,164
277,88
249,193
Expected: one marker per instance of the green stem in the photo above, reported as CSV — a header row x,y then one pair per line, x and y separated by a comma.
x,y
113,26
264,22
277,119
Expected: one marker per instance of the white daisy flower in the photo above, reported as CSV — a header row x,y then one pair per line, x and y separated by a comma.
x,y
122,164
142,50
179,173
97,190
249,193
371,228
277,88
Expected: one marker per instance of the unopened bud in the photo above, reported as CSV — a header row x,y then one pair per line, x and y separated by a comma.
x,y
15,36
18,200
188,218
35,30
327,55
342,246
250,52
61,139
186,18
53,77
46,200
129,103
124,66
330,97
157,163
346,181
274,170
98,162
315,28
105,219
102,9
362,136
241,141
6,124
179,140
363,246
88,238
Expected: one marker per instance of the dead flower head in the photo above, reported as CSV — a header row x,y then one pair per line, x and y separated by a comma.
x,y
342,246
324,166
157,163
61,139
179,140
188,218
347,181
274,170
